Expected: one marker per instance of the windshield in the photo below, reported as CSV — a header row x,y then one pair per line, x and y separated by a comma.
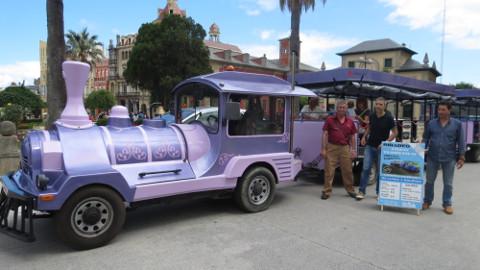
x,y
199,105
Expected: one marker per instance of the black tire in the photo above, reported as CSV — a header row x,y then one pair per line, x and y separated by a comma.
x,y
357,174
255,190
82,230
473,155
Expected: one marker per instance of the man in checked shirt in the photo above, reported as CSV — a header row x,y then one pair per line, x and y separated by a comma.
x,y
443,137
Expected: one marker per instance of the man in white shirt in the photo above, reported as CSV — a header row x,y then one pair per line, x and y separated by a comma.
x,y
312,110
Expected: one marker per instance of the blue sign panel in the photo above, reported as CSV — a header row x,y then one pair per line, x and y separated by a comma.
x,y
401,175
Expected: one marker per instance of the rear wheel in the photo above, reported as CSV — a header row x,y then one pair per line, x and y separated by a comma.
x,y
473,155
357,174
255,190
90,218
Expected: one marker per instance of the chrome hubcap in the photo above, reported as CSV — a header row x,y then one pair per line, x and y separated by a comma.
x,y
92,217
259,190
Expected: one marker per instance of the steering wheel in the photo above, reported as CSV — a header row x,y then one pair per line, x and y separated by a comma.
x,y
212,121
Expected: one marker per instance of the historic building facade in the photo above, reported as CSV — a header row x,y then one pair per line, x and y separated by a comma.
x,y
222,56
100,78
389,56
386,55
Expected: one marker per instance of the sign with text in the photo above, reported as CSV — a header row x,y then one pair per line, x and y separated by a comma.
x,y
401,175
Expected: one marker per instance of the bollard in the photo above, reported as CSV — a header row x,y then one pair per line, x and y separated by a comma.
x,y
9,149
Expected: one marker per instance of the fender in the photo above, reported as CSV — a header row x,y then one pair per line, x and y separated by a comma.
x,y
111,179
282,164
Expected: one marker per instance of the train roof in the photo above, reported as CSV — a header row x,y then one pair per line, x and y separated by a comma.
x,y
467,93
467,96
248,83
346,76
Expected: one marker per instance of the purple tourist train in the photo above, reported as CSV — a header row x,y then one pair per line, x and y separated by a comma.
x,y
86,176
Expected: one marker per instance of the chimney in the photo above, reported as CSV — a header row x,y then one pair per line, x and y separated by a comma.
x,y
74,114
246,58
284,54
228,55
264,60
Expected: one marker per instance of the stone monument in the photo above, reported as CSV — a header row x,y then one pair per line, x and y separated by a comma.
x,y
9,147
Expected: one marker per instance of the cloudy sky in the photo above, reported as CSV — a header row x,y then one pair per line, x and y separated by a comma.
x,y
256,25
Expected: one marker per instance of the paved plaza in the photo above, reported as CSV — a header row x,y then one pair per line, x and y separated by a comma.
x,y
299,231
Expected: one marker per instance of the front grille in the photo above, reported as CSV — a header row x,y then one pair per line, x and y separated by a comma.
x,y
16,217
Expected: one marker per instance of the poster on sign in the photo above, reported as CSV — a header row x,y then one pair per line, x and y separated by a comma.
x,y
401,175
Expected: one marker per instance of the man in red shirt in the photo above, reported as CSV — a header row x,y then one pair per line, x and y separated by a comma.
x,y
339,148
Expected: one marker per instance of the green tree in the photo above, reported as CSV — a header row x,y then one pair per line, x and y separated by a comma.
x,y
12,112
57,94
83,47
295,7
100,99
23,97
464,85
165,54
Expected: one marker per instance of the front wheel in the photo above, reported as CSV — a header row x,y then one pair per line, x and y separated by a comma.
x,y
255,190
90,218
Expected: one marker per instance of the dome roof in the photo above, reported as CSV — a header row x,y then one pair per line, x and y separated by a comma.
x,y
214,29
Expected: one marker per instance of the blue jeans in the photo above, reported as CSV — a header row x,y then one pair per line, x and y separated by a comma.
x,y
448,168
371,155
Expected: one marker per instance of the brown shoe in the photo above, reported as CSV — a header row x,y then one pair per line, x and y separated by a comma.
x,y
425,206
325,196
448,210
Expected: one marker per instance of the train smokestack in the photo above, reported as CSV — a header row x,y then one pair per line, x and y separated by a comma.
x,y
74,114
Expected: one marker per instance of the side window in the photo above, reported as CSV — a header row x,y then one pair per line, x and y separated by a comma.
x,y
388,63
351,64
261,115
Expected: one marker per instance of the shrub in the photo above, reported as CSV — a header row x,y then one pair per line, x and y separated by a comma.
x,y
13,113
102,121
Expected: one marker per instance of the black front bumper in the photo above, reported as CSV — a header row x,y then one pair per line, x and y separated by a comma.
x,y
16,211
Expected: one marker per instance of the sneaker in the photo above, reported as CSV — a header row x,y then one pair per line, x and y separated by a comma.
x,y
448,210
360,196
325,196
352,194
425,206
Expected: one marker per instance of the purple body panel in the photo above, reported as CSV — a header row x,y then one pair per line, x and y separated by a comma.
x,y
74,114
166,189
310,143
468,131
142,144
131,172
284,165
248,83
83,151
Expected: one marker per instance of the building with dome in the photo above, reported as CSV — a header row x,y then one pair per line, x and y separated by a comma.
x,y
223,56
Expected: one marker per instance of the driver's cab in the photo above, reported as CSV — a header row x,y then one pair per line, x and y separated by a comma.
x,y
244,115
198,103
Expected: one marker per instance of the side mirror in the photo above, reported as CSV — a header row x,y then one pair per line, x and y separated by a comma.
x,y
232,111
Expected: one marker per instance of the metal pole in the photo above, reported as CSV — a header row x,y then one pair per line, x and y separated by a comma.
x,y
425,110
292,69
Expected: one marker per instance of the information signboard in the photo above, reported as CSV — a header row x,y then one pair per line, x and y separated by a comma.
x,y
401,175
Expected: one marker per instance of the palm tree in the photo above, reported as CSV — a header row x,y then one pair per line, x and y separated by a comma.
x,y
56,96
295,7
83,47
